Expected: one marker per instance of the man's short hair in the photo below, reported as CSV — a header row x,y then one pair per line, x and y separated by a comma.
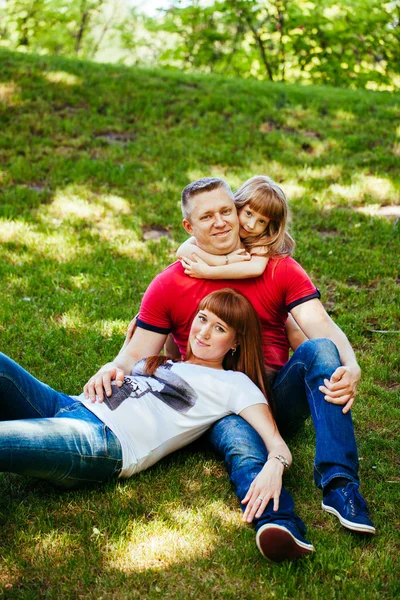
x,y
205,184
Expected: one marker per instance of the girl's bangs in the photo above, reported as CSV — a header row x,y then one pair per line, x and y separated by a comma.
x,y
266,203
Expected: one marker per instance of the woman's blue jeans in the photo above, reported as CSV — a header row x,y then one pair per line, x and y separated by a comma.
x,y
47,434
296,395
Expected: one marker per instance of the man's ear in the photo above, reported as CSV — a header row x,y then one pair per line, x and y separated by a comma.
x,y
187,226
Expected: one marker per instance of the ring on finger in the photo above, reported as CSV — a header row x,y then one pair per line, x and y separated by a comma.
x,y
260,498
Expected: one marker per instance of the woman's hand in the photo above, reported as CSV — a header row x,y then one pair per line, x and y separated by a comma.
x,y
266,486
196,267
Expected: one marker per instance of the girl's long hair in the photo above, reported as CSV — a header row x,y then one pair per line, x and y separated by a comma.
x,y
236,311
264,196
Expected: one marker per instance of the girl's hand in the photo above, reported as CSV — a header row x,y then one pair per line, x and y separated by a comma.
x,y
196,267
266,486
238,256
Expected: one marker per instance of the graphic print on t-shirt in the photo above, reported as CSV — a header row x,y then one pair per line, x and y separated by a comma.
x,y
163,384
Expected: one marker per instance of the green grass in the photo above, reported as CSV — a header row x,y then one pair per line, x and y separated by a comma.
x,y
91,157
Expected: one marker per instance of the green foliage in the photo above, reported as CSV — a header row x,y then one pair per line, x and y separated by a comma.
x,y
67,27
347,43
92,157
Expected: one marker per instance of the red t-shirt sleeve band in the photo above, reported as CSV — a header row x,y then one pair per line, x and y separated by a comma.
x,y
316,294
153,328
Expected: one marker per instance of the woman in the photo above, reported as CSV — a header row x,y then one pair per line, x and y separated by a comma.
x,y
161,407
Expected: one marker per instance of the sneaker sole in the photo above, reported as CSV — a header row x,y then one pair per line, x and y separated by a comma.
x,y
277,544
348,524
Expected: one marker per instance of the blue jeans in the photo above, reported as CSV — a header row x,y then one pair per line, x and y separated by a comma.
x,y
296,395
49,435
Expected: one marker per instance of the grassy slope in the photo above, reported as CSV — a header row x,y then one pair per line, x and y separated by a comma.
x,y
90,156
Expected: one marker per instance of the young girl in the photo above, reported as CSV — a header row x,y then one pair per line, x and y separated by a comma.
x,y
263,212
162,406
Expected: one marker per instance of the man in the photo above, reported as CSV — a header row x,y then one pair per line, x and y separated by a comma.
x,y
320,378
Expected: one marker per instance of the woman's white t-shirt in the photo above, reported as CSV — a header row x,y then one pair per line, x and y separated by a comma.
x,y
155,415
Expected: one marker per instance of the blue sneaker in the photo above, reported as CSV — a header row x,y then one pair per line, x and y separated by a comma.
x,y
282,542
347,504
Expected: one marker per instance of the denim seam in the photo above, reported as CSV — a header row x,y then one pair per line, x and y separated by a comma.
x,y
80,454
299,362
6,376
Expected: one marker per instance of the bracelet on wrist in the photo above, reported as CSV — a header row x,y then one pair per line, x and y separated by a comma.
x,y
282,460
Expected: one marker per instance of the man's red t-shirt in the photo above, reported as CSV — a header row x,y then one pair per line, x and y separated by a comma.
x,y
171,300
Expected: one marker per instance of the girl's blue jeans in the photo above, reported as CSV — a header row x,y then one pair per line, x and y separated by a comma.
x,y
296,395
50,435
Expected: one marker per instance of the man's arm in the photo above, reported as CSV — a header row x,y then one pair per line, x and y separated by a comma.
x,y
294,334
316,323
143,343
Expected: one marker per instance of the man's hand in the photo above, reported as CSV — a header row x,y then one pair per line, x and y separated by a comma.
x,y
342,387
101,382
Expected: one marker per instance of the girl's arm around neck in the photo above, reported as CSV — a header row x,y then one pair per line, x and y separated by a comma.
x,y
189,248
199,269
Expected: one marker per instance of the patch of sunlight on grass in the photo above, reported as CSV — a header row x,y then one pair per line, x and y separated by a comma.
x,y
81,281
376,210
293,190
120,205
108,328
326,172
8,92
398,131
12,230
63,77
70,320
102,212
344,115
215,510
54,245
160,546
362,186
80,203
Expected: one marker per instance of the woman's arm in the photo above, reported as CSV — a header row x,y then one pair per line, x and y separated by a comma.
x,y
198,268
268,483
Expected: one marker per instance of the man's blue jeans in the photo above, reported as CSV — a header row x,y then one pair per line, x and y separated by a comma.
x,y
296,395
50,435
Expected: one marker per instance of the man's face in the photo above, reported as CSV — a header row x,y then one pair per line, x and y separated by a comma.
x,y
214,222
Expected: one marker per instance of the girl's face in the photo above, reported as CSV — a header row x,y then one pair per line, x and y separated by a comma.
x,y
210,339
251,222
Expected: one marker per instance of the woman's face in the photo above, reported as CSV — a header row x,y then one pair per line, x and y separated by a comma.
x,y
251,222
210,339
